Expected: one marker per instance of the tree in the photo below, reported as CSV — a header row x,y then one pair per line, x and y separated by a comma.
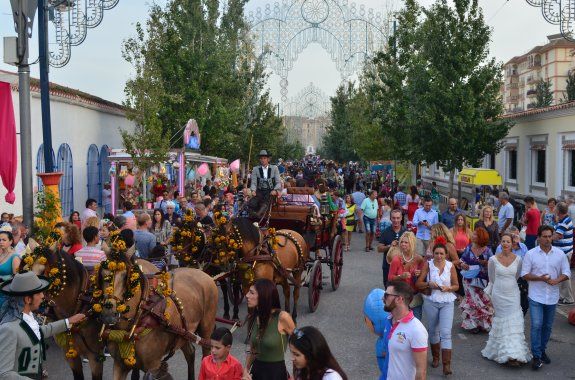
x,y
570,88
544,96
195,60
337,142
442,101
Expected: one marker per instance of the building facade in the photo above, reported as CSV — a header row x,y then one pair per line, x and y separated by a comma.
x,y
552,61
84,128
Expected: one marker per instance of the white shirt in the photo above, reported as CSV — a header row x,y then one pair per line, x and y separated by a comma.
x,y
443,279
406,337
505,212
87,213
20,248
330,374
538,263
33,323
265,170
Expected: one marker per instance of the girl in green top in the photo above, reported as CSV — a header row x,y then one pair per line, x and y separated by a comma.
x,y
268,331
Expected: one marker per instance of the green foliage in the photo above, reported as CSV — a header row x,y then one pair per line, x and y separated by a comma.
x,y
544,96
46,215
337,141
194,59
435,89
570,88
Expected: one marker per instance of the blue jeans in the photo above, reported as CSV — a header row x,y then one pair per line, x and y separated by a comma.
x,y
417,311
439,317
541,323
530,241
369,224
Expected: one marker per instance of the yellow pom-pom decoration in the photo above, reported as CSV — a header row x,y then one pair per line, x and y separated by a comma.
x,y
97,308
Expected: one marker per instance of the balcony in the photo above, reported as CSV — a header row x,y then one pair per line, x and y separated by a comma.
x,y
531,93
532,80
512,99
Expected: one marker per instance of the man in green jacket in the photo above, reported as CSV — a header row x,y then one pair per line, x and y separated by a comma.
x,y
22,347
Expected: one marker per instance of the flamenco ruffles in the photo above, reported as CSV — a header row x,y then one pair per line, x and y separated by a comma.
x,y
507,340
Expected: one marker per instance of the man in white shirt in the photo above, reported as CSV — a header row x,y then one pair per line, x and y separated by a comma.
x,y
506,213
407,347
89,211
544,267
424,218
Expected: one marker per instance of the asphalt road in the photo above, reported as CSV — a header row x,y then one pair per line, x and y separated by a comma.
x,y
339,316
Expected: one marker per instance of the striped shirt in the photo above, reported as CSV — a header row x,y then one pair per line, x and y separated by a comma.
x,y
564,228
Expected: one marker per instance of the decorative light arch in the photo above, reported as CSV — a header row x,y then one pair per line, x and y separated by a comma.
x,y
558,12
350,34
310,102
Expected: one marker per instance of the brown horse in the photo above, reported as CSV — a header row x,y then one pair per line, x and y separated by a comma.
x,y
287,264
197,294
71,299
68,301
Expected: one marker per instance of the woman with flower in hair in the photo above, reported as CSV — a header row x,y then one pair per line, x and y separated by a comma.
x,y
476,308
438,283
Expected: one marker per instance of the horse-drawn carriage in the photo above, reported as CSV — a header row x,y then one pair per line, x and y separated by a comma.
x,y
318,226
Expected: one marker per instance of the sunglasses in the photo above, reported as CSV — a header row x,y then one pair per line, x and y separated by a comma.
x,y
390,295
297,333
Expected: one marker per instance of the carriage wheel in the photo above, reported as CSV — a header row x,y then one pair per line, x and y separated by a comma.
x,y
314,286
336,262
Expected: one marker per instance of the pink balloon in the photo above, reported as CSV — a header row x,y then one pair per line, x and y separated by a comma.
x,y
129,180
235,165
203,169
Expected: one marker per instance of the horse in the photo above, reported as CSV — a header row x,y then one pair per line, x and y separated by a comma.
x,y
159,318
201,257
66,298
282,261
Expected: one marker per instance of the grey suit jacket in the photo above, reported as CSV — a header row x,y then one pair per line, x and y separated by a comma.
x,y
275,175
21,352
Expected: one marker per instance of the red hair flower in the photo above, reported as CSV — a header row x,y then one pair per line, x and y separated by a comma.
x,y
440,240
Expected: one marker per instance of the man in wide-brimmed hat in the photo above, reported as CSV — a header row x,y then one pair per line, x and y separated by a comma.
x,y
265,182
22,348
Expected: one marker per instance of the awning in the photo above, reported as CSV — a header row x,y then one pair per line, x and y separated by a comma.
x,y
479,176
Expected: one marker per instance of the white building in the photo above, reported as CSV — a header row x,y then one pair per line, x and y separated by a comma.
x,y
84,127
538,155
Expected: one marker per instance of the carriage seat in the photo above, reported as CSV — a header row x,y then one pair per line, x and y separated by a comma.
x,y
300,190
296,213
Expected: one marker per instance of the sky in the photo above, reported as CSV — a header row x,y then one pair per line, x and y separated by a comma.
x,y
97,66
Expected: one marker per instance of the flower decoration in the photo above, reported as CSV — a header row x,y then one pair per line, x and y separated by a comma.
x,y
440,240
188,241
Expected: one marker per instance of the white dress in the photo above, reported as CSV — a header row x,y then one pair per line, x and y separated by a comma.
x,y
506,338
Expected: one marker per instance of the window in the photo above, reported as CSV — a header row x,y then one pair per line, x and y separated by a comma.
x,y
538,163
512,169
571,158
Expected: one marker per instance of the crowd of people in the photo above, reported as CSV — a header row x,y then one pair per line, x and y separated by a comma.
x,y
434,263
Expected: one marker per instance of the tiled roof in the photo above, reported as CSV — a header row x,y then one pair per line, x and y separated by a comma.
x,y
555,41
67,93
536,111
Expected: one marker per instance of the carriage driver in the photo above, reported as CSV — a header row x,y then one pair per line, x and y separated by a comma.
x,y
22,348
265,182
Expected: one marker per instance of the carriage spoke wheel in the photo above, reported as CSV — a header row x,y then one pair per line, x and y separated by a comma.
x,y
314,286
336,262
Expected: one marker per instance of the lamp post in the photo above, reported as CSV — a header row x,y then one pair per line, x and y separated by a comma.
x,y
23,12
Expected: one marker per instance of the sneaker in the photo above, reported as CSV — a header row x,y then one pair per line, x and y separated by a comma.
x,y
545,359
536,364
563,302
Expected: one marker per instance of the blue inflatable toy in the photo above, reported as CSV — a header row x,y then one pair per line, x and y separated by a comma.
x,y
374,312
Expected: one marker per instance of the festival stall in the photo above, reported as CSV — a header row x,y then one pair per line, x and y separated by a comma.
x,y
478,177
184,168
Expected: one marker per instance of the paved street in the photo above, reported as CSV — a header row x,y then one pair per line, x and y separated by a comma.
x,y
339,317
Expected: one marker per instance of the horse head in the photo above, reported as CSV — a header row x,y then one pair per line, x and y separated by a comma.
x,y
66,276
117,283
244,231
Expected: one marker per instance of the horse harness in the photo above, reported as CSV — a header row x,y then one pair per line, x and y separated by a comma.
x,y
269,255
